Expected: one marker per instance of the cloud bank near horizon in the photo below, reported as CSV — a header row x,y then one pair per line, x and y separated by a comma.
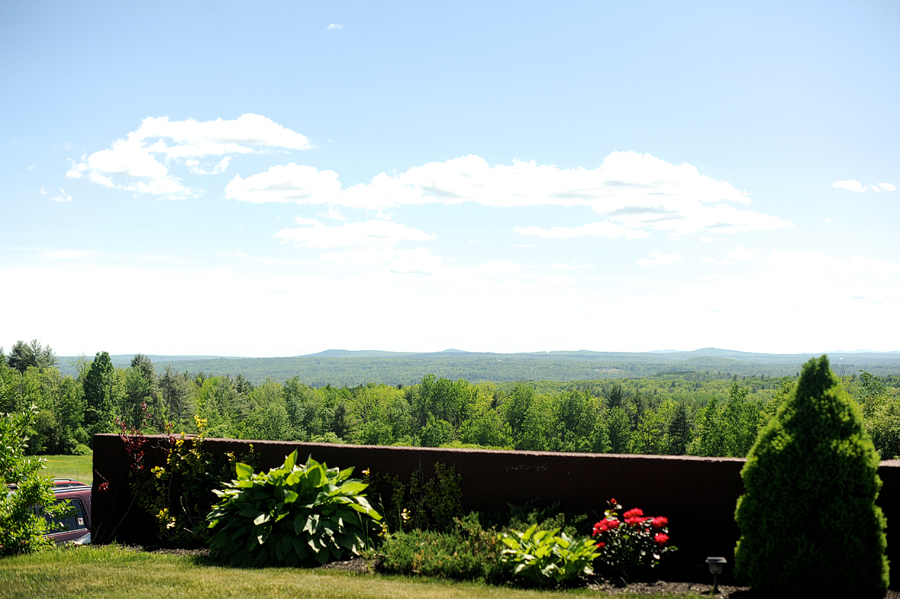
x,y
635,192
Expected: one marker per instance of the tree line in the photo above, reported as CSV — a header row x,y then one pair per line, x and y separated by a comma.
x,y
675,414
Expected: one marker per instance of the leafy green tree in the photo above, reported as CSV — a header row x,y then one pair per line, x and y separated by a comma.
x,y
220,405
741,418
451,401
575,416
649,437
516,406
538,421
269,421
307,410
436,432
22,527
618,426
57,427
485,426
808,519
711,436
884,428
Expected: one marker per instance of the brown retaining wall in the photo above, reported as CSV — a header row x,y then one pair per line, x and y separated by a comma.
x,y
698,495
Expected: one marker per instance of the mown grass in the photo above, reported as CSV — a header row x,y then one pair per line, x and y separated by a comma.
x,y
110,571
79,467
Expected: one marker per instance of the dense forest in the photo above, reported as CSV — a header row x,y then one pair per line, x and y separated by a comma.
x,y
343,368
674,412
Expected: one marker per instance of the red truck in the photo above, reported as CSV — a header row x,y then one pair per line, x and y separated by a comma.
x,y
76,528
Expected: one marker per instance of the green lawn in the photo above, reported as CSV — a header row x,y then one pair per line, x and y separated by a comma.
x,y
110,571
79,467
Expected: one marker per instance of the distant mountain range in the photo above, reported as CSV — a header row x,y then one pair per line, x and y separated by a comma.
x,y
339,367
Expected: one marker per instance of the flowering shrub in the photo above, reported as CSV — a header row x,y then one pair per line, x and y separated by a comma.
x,y
630,544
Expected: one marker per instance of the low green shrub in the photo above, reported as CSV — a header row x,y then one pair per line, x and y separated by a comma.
x,y
547,557
466,552
291,515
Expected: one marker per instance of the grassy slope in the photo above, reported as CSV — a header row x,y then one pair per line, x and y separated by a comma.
x,y
106,572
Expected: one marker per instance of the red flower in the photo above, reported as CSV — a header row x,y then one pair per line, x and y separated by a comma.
x,y
613,501
661,539
659,522
601,545
104,486
633,513
635,521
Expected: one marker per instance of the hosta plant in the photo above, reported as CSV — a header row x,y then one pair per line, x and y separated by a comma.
x,y
547,557
630,544
296,514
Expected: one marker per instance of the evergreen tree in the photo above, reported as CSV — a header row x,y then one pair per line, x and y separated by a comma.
x,y
98,395
809,523
679,431
24,355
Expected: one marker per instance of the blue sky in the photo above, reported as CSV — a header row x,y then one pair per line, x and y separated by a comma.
x,y
275,179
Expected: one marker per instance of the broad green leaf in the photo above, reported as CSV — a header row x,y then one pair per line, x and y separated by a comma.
x,y
290,460
243,471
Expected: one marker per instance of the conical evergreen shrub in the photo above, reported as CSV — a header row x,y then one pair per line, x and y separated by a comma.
x,y
809,523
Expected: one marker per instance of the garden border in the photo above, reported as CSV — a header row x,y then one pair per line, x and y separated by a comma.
x,y
698,495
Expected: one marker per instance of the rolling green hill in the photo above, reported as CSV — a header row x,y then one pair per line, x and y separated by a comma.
x,y
348,368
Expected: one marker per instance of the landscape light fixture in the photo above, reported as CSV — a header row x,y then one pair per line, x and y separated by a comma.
x,y
716,565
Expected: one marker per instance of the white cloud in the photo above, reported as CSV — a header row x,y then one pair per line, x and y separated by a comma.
x,y
607,229
137,157
854,185
659,259
563,266
851,185
62,197
299,184
369,233
705,239
334,214
637,191
194,166
300,220
42,192
333,27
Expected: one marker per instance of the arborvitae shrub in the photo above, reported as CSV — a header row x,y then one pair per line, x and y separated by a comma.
x,y
809,523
